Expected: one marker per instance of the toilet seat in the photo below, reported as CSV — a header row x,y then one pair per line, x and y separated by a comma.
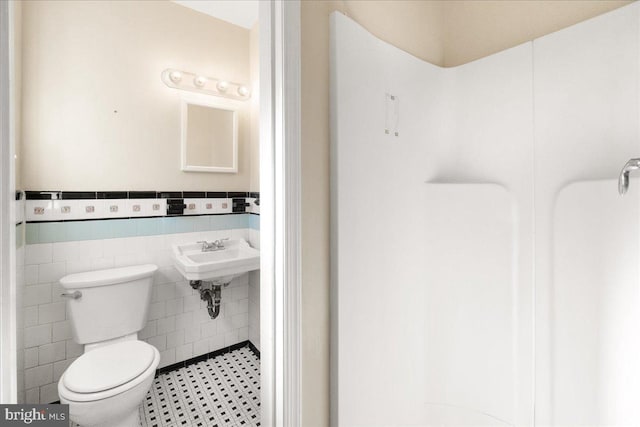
x,y
143,359
107,367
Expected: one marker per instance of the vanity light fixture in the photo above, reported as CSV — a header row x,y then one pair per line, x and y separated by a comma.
x,y
243,91
200,81
222,86
185,80
175,76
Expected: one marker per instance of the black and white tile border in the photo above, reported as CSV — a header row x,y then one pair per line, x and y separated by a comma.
x,y
45,206
223,391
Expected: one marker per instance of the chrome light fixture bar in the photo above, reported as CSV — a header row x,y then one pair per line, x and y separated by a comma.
x,y
185,80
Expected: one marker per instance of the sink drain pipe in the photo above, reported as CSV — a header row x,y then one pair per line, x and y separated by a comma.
x,y
211,293
213,301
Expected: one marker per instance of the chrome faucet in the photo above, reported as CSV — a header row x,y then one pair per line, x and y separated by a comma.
x,y
216,245
623,180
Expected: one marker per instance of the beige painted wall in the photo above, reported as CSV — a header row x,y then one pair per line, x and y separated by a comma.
x,y
95,112
315,210
416,25
17,92
481,28
454,32
475,29
254,76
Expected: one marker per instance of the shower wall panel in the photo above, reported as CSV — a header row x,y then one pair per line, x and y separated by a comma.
x,y
490,134
594,306
378,355
431,325
497,195
470,322
586,118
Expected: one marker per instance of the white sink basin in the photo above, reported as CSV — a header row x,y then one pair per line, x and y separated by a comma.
x,y
236,258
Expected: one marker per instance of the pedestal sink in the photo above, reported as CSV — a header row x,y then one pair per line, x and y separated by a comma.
x,y
221,264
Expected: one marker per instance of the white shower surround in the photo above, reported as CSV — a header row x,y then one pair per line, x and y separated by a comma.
x,y
456,246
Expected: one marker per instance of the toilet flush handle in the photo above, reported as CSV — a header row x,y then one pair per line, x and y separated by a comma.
x,y
72,295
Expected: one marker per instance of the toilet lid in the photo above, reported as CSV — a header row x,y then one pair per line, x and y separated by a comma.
x,y
108,367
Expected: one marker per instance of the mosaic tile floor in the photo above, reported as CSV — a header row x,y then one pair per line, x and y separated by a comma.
x,y
219,392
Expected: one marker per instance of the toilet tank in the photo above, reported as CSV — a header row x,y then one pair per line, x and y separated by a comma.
x,y
114,302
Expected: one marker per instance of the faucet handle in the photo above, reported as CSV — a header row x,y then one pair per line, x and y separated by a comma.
x,y
219,243
623,180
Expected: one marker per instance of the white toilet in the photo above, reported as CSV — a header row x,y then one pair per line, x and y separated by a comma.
x,y
106,385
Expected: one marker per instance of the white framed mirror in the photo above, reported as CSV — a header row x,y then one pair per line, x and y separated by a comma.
x,y
209,141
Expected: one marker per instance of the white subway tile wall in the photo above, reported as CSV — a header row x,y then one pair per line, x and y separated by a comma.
x,y
178,325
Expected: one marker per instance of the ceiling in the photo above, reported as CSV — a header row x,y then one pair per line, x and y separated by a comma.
x,y
243,13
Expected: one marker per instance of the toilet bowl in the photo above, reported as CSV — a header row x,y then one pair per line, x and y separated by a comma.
x,y
106,385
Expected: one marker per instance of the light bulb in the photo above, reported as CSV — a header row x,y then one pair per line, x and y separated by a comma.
x,y
222,86
175,76
243,91
200,81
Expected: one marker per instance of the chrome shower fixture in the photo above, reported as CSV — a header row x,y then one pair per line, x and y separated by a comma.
x,y
623,180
